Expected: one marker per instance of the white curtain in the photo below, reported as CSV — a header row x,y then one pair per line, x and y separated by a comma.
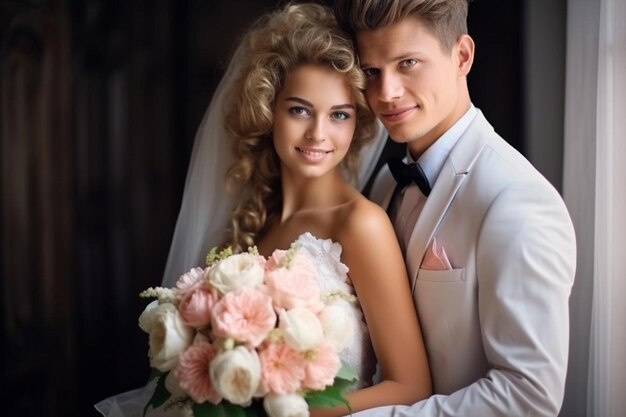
x,y
595,191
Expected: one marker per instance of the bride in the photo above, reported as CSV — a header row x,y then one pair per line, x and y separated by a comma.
x,y
297,121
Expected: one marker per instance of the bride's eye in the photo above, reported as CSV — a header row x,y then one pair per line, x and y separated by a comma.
x,y
299,111
340,115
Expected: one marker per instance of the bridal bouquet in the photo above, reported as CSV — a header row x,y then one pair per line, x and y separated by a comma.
x,y
243,333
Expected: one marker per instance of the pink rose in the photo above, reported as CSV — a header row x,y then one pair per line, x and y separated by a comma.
x,y
193,376
322,365
195,307
295,286
282,369
245,315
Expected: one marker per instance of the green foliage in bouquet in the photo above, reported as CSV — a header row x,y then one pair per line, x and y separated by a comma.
x,y
161,394
214,256
333,395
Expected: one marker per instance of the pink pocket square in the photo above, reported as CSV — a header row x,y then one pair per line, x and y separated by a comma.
x,y
435,258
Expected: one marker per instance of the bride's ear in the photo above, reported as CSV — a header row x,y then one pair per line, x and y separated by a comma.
x,y
464,51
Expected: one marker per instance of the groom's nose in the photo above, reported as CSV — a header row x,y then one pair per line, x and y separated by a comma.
x,y
390,87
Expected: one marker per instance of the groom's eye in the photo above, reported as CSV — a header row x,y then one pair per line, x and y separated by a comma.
x,y
371,72
408,63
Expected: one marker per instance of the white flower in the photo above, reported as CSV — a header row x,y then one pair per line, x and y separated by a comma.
x,y
301,328
169,336
337,325
236,375
236,271
285,405
146,319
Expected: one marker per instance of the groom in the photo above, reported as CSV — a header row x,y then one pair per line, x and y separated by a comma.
x,y
488,242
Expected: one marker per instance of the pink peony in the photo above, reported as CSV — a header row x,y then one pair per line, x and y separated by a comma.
x,y
282,368
295,286
195,307
245,315
192,373
322,365
189,281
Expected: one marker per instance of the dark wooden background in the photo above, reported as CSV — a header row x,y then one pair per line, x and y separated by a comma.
x,y
99,102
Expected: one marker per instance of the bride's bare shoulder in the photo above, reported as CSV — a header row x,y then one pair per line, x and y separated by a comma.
x,y
363,219
369,243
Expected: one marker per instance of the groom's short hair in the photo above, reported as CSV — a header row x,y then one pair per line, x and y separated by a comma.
x,y
447,19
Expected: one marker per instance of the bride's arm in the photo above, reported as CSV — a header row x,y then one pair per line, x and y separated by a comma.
x,y
379,276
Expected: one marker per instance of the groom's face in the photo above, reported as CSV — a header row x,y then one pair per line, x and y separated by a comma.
x,y
413,84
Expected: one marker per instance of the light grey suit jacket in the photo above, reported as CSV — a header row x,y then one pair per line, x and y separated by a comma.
x,y
496,327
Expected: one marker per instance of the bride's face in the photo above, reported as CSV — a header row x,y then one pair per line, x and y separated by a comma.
x,y
314,121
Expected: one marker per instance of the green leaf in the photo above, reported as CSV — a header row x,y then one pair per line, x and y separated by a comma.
x,y
330,397
160,395
154,373
333,396
342,384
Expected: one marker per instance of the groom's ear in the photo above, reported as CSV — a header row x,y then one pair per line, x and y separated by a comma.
x,y
464,51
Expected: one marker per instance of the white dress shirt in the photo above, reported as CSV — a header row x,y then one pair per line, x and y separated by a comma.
x,y
409,202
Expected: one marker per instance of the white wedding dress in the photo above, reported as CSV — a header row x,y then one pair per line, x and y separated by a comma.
x,y
333,279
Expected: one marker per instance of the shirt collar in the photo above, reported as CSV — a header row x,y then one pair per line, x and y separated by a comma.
x,y
435,156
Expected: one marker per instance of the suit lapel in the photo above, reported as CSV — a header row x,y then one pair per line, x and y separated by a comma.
x,y
436,205
452,175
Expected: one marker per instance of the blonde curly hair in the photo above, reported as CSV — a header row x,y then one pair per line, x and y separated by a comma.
x,y
274,46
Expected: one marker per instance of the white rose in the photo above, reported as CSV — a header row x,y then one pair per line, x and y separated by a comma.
x,y
338,326
147,316
236,271
169,337
285,405
236,375
301,328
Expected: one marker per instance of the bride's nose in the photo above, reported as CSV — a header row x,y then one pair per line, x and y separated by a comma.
x,y
316,131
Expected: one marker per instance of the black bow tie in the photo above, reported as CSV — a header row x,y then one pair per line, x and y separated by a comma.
x,y
404,174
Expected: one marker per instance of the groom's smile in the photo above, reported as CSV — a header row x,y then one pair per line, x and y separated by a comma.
x,y
398,115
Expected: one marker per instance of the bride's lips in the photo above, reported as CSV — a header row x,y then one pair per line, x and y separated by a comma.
x,y
312,154
396,115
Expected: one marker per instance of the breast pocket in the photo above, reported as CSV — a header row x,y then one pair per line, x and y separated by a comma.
x,y
441,298
447,275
